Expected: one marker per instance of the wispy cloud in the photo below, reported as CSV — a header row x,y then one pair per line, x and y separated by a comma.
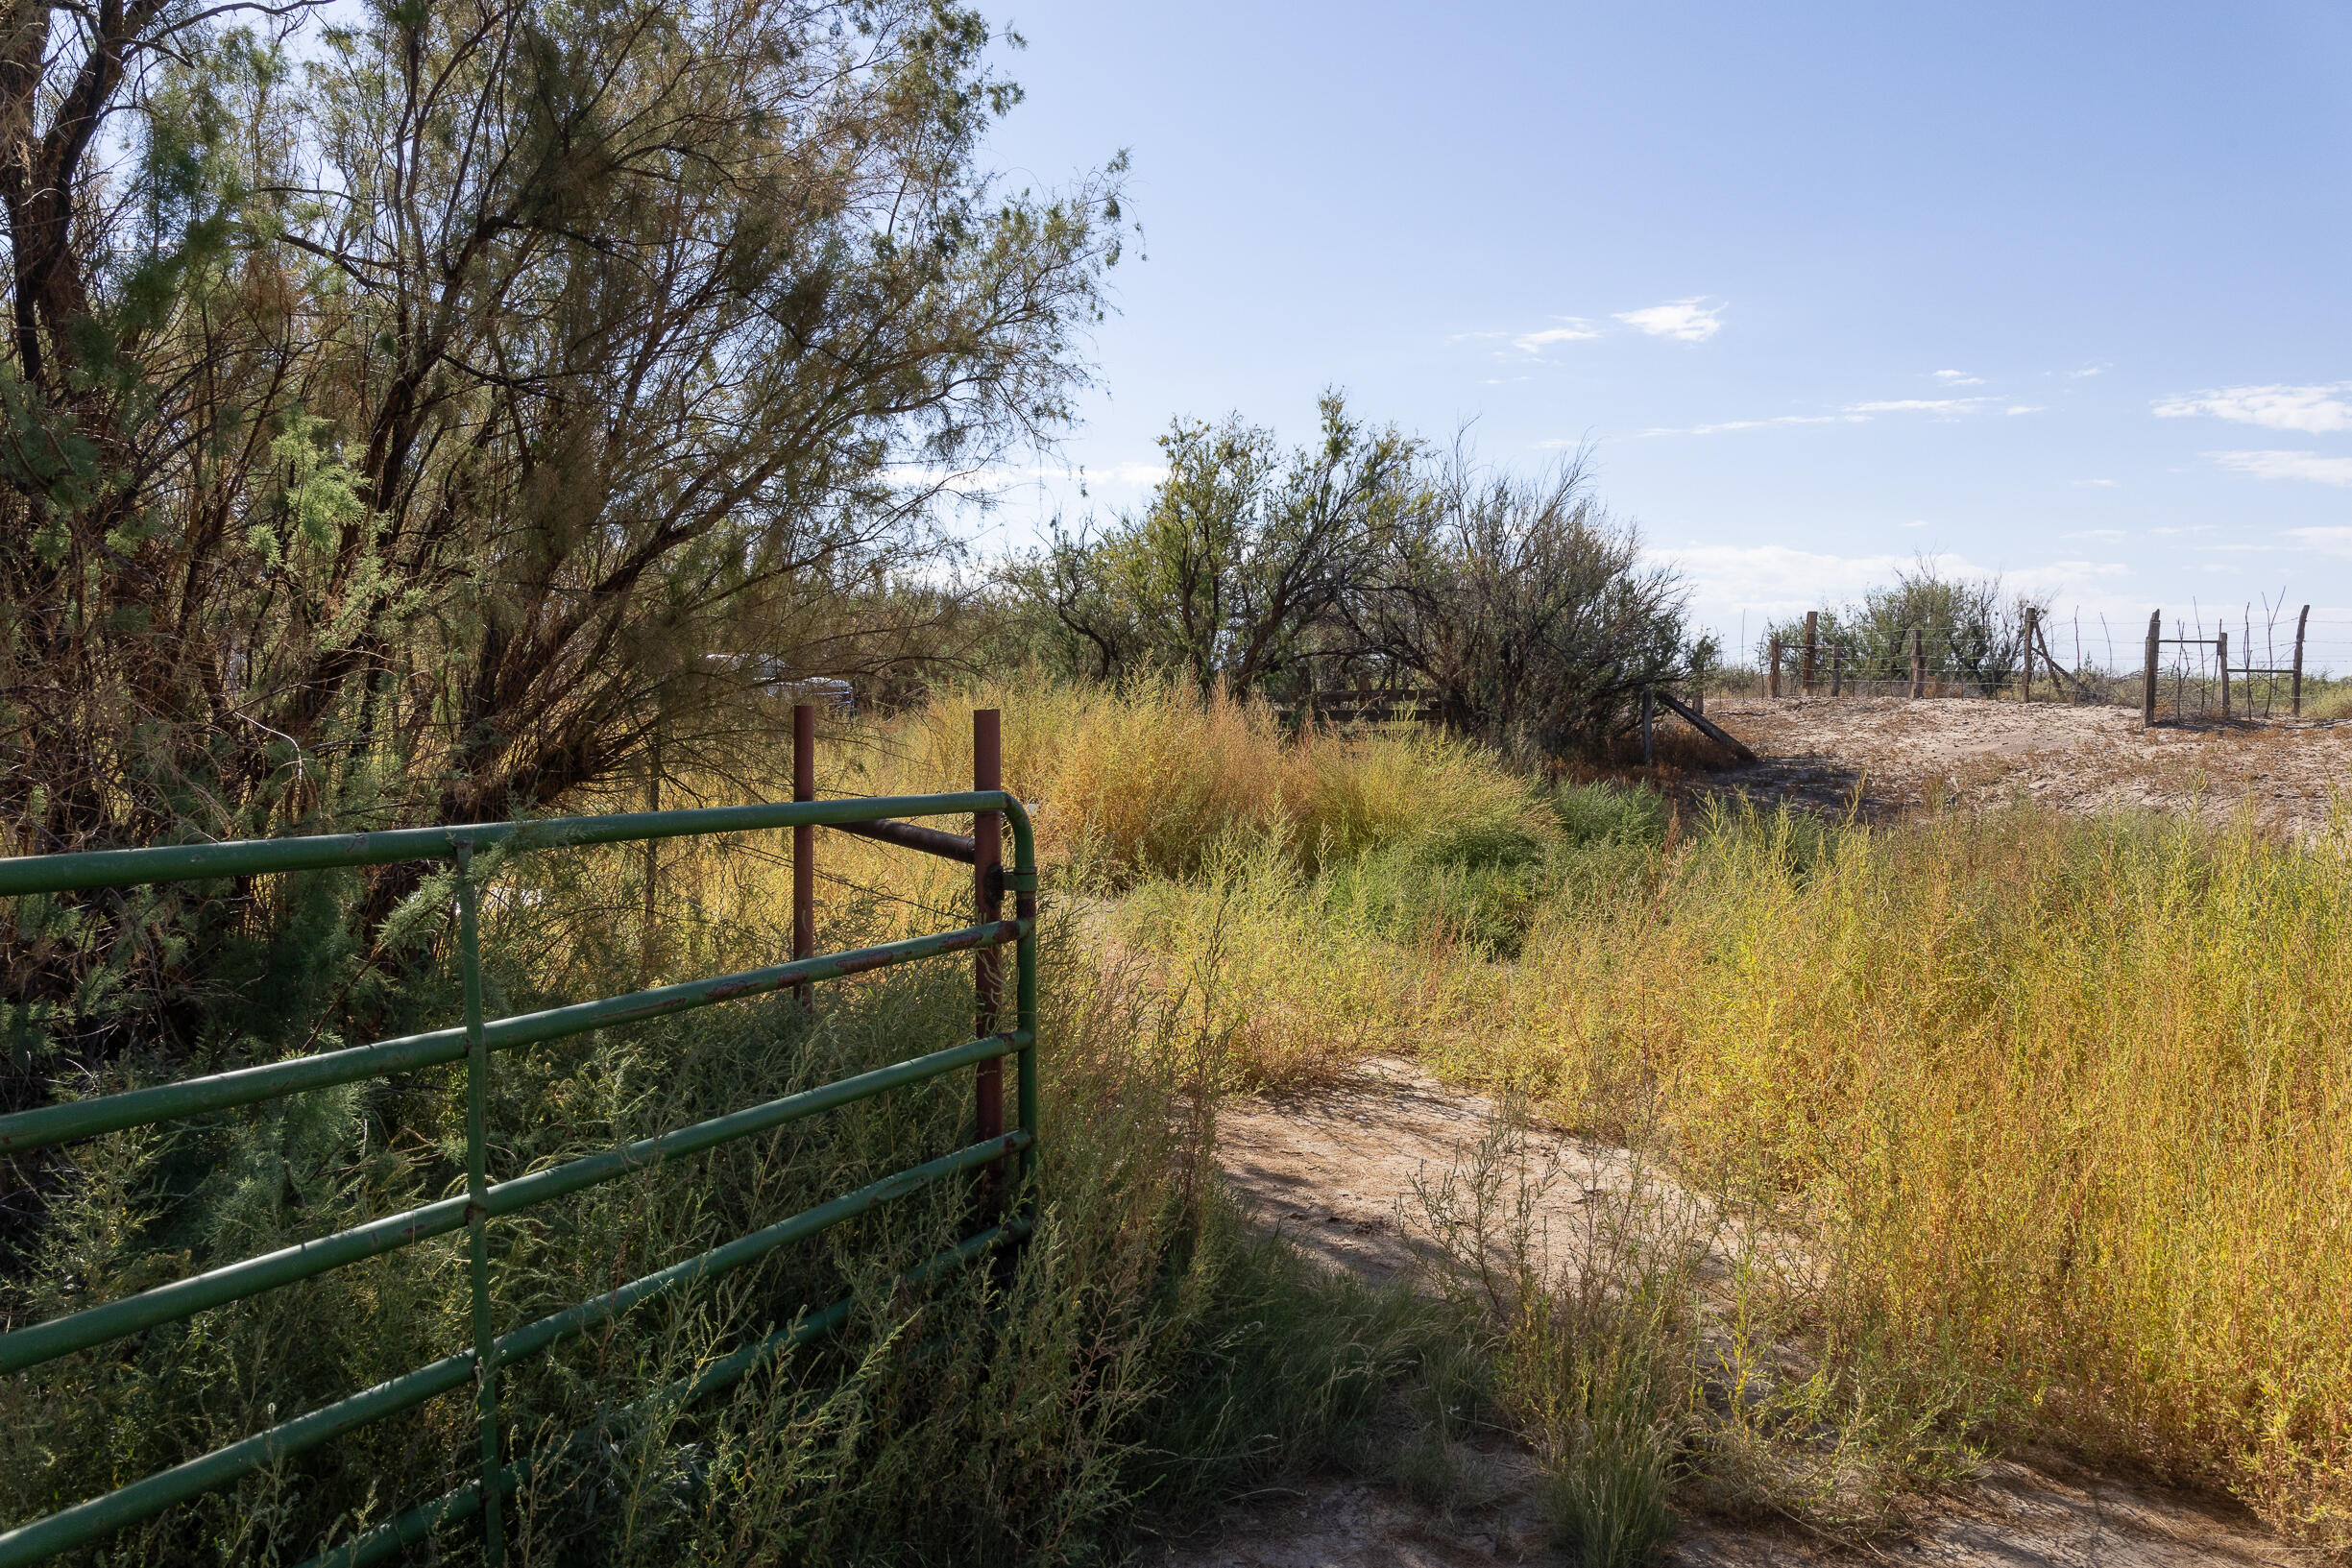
x,y
2026,408
2326,541
2278,465
1744,424
1915,405
1574,330
1959,378
2105,536
2094,369
1686,320
2314,411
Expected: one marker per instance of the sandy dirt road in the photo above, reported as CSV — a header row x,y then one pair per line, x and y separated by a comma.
x,y
1886,756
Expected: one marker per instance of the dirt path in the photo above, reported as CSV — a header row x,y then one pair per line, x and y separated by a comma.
x,y
1334,1171
1900,756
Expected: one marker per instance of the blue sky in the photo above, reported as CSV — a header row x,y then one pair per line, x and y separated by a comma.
x,y
2054,290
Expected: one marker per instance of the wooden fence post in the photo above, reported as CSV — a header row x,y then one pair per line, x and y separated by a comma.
x,y
804,848
1919,662
2147,695
988,963
2033,624
2221,649
2296,689
1812,652
1774,689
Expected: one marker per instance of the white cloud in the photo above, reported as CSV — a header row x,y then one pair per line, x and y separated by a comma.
x,y
2105,536
1744,424
1959,378
1917,523
2076,375
2027,408
2312,411
1687,321
1576,330
1911,405
2326,541
2277,465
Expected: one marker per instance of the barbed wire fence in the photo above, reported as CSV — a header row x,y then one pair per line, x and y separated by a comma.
x,y
2261,660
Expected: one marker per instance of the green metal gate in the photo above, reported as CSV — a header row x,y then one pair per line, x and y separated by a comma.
x,y
478,1367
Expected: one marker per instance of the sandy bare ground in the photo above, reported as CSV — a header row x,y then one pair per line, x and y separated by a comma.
x,y
1337,1171
1894,756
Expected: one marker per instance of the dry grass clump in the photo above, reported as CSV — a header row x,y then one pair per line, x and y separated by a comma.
x,y
1150,778
2064,1109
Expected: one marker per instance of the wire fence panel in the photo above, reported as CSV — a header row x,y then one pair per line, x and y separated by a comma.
x,y
2272,662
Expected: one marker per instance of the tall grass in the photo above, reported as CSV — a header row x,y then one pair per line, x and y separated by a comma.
x,y
2061,1105
2056,1113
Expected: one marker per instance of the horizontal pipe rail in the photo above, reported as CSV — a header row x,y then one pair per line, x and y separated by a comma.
x,y
910,835
267,856
37,1129
100,1515
96,1325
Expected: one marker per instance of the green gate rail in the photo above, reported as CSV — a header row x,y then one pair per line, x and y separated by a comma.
x,y
473,1042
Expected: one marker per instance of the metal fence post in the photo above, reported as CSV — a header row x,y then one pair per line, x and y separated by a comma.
x,y
652,855
804,847
987,964
477,1206
1024,996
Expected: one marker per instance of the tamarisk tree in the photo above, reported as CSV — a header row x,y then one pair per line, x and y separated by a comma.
x,y
400,414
